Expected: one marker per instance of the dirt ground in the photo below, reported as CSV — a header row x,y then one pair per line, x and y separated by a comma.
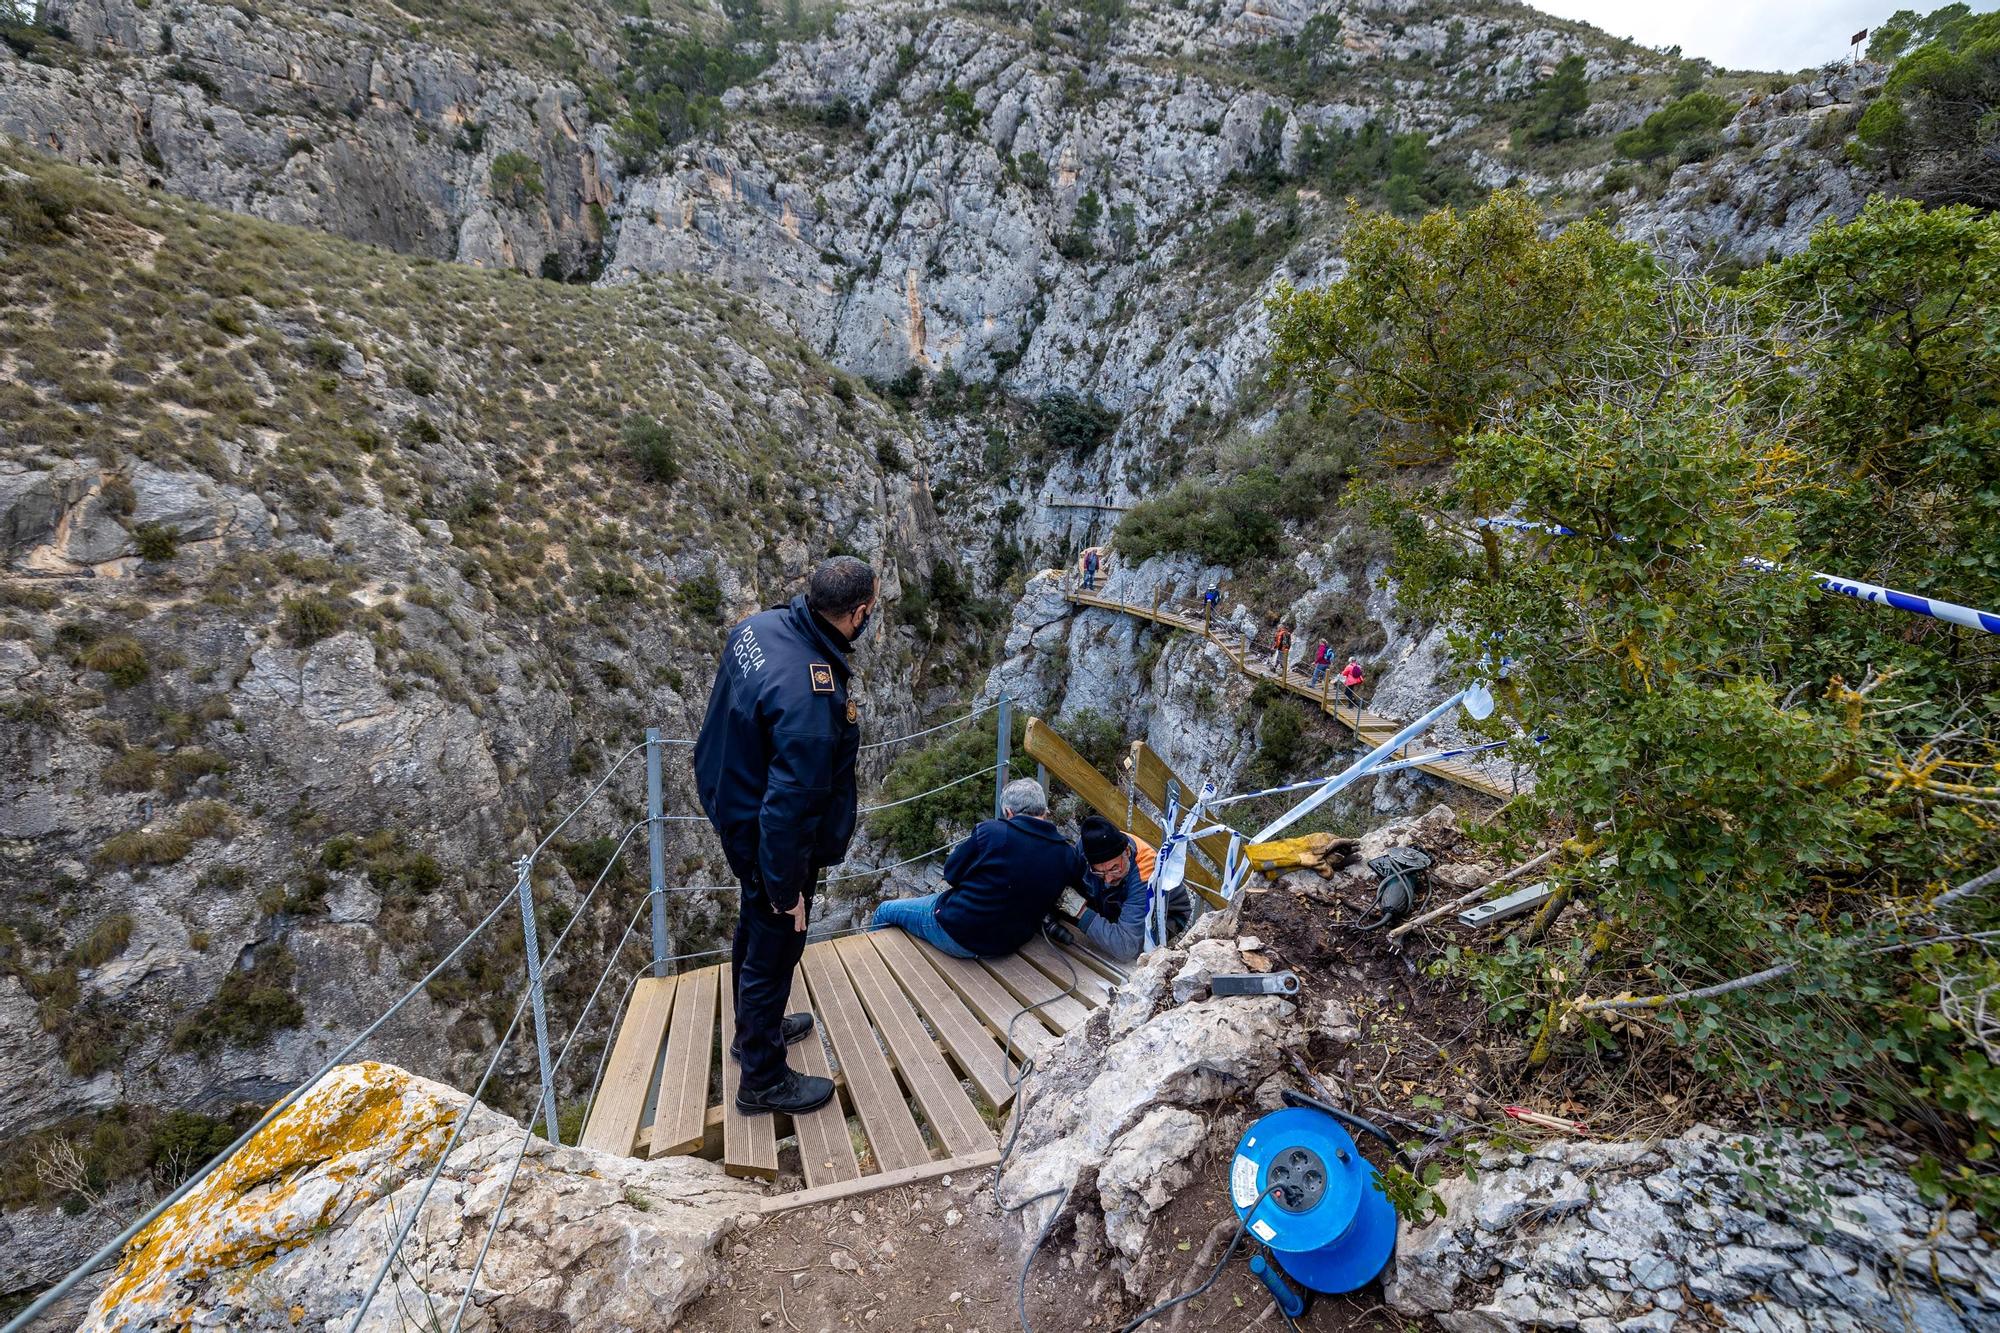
x,y
941,1257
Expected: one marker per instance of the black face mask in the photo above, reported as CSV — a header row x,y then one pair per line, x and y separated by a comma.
x,y
861,625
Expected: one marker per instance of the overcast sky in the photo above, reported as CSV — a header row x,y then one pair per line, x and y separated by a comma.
x,y
1744,34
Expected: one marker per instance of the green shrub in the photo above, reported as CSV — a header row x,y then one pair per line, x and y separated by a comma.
x,y
184,768
155,541
653,448
141,847
309,618
1226,523
923,824
1683,119
1078,425
516,178
249,1006
131,770
121,658
420,379
107,939
38,210
701,597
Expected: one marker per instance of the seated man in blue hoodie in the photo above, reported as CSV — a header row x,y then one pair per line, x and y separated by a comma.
x,y
1114,891
1004,879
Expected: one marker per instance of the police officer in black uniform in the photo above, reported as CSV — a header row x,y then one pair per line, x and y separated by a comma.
x,y
775,768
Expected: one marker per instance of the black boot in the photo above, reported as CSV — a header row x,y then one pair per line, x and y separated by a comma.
x,y
794,1094
795,1029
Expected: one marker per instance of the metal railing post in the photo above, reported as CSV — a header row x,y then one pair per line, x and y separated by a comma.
x,y
656,850
1005,739
532,945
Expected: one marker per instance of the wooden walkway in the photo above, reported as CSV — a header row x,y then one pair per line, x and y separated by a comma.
x,y
912,1039
1368,728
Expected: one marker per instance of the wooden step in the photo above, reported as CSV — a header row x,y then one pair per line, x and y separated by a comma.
x,y
749,1142
954,1121
993,1003
681,1108
878,1100
961,1031
628,1075
826,1149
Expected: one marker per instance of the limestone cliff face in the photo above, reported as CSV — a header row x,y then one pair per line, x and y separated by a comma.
x,y
332,590
324,120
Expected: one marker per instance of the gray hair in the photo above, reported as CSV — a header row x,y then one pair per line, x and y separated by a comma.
x,y
1024,796
839,585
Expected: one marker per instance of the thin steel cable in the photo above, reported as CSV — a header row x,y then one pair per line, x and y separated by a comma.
x,y
898,740
588,797
465,1116
528,1131
980,772
117,1243
876,870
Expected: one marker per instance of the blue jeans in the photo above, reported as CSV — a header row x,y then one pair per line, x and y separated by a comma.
x,y
1319,673
918,917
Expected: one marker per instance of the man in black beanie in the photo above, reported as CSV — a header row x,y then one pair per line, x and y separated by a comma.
x,y
1114,890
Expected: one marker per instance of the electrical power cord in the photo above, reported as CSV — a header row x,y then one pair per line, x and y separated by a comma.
x,y
1242,1226
1015,1081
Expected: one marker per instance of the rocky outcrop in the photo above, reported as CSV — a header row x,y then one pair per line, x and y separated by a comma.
x,y
292,1228
1116,1122
1704,1230
325,120
1781,173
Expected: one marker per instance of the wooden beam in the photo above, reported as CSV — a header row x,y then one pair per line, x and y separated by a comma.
x,y
621,1099
826,1149
1085,983
953,1118
749,1142
1029,987
990,1000
780,1203
681,1109
961,1032
892,1130
1054,753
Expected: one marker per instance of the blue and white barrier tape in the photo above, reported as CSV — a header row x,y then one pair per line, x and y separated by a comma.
x,y
1986,622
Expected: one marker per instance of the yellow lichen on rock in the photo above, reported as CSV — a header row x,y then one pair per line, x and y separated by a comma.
x,y
362,1132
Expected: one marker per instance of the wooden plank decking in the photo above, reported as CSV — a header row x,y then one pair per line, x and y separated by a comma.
x,y
1368,728
915,1040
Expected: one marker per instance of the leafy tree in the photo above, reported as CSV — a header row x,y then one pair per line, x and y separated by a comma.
x,y
1080,243
1937,123
1444,319
1905,408
1682,126
1558,102
1769,818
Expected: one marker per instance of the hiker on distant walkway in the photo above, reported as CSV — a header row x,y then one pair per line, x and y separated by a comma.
x,y
1322,660
1281,650
1120,867
1208,601
1350,681
1091,563
1004,879
775,770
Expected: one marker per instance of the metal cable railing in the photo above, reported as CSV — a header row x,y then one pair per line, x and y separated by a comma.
x,y
532,1000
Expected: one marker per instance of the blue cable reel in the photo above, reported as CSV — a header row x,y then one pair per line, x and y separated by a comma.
x,y
1327,1224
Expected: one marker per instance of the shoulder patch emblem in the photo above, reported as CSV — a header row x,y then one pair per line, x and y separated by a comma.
x,y
822,678
853,710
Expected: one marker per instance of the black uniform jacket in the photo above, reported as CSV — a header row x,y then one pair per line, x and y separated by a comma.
x,y
775,760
